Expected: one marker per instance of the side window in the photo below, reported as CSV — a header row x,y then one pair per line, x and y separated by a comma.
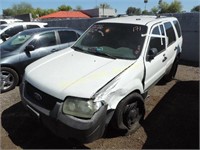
x,y
67,36
32,26
14,30
170,33
44,40
157,39
178,28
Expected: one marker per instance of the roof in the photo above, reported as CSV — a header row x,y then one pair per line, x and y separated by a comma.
x,y
65,14
140,20
37,30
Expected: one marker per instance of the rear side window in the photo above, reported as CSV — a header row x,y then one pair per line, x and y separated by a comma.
x,y
170,33
178,29
14,30
67,36
32,26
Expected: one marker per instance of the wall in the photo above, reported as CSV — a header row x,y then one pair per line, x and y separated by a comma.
x,y
190,28
189,23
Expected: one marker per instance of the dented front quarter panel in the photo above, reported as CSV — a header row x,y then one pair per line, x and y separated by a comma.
x,y
122,85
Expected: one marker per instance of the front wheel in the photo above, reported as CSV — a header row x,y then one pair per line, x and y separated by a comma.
x,y
8,79
129,113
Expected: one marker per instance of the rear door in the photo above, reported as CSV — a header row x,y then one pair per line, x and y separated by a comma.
x,y
172,46
156,67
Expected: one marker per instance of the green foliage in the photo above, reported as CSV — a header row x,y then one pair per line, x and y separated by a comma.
x,y
164,7
154,10
196,9
175,7
25,8
64,8
18,9
133,11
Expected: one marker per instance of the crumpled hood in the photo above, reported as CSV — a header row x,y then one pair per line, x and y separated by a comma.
x,y
72,73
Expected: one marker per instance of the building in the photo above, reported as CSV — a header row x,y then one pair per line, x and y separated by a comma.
x,y
100,12
64,15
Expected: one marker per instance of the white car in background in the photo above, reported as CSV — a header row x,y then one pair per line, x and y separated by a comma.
x,y
103,79
7,21
8,30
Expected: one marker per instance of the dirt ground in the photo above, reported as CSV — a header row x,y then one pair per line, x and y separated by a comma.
x,y
171,121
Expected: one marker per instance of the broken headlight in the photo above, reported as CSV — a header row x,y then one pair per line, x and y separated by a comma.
x,y
80,107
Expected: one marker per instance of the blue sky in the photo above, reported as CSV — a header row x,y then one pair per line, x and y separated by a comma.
x,y
120,5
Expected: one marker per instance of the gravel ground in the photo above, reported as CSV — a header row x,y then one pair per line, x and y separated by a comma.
x,y
171,121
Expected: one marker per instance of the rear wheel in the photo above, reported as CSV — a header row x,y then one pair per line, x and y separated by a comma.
x,y
8,79
129,113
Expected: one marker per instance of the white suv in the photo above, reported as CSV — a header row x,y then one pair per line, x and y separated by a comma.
x,y
104,77
9,30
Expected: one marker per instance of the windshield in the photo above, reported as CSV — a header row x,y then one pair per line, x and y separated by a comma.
x,y
16,41
115,40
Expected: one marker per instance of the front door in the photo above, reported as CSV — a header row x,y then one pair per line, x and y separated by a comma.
x,y
156,67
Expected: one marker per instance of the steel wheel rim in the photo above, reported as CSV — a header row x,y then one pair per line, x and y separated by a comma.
x,y
131,115
7,80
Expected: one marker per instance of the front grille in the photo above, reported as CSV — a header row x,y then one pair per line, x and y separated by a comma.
x,y
40,98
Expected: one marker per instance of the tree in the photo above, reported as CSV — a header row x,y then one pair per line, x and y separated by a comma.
x,y
164,7
175,7
18,9
154,10
133,11
196,9
64,8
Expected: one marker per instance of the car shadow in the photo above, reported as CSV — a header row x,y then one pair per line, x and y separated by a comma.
x,y
27,133
174,122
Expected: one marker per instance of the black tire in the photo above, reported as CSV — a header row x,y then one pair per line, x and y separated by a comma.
x,y
168,77
8,79
129,114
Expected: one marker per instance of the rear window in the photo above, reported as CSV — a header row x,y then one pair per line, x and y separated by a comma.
x,y
67,36
170,33
178,29
32,26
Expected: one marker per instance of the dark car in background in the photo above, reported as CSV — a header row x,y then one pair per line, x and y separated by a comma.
x,y
28,46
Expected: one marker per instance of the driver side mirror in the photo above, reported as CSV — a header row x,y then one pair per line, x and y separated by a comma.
x,y
4,36
29,48
152,53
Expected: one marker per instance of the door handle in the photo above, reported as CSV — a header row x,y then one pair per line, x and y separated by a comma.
x,y
165,58
175,48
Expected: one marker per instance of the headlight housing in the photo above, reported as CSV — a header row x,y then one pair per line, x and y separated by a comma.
x,y
80,107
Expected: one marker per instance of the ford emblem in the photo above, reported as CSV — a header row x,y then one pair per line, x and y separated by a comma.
x,y
37,96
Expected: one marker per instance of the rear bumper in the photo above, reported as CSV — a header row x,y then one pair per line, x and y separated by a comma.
x,y
66,126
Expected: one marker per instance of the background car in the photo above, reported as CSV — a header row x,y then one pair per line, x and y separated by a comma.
x,y
8,30
7,21
28,46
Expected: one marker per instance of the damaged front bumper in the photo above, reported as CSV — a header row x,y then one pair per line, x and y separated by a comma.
x,y
66,126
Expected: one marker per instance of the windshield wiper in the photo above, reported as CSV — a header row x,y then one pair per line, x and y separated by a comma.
x,y
100,53
77,48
